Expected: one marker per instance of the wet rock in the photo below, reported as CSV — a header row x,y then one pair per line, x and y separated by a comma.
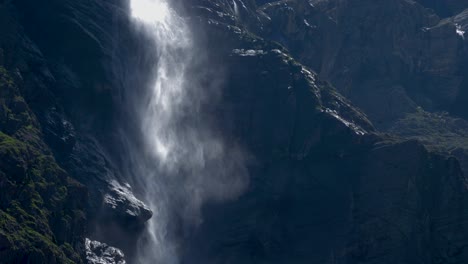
x,y
101,253
242,52
461,20
121,203
110,200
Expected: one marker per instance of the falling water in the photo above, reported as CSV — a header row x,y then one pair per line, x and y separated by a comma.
x,y
236,7
185,161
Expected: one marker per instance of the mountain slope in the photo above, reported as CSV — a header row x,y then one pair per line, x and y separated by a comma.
x,y
307,87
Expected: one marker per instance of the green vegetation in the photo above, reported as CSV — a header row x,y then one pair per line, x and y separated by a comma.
x,y
438,131
38,223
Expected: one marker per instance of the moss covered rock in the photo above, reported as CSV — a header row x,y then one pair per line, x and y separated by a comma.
x,y
41,207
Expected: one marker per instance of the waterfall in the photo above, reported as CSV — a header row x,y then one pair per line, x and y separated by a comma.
x,y
185,161
236,8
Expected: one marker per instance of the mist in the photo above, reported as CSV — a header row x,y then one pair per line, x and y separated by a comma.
x,y
177,157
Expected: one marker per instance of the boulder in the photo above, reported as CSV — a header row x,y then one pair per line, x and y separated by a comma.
x,y
101,253
121,203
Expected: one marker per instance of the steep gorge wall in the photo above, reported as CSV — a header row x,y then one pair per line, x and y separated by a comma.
x,y
325,186
59,93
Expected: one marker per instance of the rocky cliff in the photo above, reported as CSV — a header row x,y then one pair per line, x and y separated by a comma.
x,y
59,183
351,110
326,186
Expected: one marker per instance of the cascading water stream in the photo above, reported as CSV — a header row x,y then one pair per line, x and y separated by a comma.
x,y
184,162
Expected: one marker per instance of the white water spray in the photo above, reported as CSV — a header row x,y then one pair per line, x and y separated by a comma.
x,y
236,7
185,162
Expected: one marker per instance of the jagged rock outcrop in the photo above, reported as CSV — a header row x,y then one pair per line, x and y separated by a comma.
x,y
121,201
101,253
110,199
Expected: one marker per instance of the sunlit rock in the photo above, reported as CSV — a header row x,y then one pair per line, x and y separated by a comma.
x,y
121,202
101,253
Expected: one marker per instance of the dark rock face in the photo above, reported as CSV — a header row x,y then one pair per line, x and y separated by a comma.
x,y
445,8
56,115
401,208
395,52
109,198
42,209
396,60
388,57
326,186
